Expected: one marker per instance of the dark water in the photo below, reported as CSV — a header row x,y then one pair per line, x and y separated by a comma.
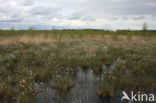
x,y
84,90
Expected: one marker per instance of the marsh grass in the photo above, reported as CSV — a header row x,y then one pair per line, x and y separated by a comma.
x,y
63,85
26,99
43,36
42,75
33,56
107,90
6,93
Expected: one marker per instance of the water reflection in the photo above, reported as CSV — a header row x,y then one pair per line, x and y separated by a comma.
x,y
84,91
86,87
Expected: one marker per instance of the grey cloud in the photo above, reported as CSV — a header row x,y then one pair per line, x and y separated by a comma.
x,y
40,11
70,11
121,7
11,20
43,10
27,2
139,18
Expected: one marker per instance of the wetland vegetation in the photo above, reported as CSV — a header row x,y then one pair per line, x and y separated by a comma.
x,y
60,65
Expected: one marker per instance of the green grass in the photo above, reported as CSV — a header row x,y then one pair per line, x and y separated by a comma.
x,y
60,33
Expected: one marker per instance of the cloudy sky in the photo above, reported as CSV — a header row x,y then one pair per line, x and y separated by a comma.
x,y
77,14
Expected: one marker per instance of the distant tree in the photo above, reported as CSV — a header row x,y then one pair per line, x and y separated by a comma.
x,y
53,28
31,27
145,26
12,28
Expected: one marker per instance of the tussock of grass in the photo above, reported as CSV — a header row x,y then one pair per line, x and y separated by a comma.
x,y
63,85
42,75
108,82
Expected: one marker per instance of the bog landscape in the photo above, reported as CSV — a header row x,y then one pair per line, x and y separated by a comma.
x,y
75,66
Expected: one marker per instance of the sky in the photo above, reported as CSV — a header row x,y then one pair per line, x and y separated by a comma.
x,y
77,14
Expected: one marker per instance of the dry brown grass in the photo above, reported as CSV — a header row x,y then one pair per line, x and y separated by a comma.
x,y
26,39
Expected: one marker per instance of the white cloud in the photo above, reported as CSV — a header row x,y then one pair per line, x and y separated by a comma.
x,y
101,14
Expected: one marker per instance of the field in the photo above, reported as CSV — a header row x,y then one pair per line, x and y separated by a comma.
x,y
34,62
